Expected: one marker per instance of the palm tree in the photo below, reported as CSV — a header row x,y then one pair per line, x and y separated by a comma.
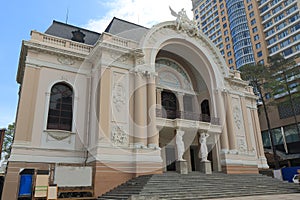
x,y
256,75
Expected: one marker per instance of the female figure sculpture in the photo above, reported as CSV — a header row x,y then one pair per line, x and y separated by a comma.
x,y
203,148
180,145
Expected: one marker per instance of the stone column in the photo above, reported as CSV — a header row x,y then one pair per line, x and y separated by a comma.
x,y
158,100
229,116
153,135
216,154
180,104
257,132
222,116
246,125
140,114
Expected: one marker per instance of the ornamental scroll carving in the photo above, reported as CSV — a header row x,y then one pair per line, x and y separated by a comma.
x,y
123,58
139,56
119,136
65,60
59,135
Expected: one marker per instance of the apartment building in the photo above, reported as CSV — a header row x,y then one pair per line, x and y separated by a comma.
x,y
248,32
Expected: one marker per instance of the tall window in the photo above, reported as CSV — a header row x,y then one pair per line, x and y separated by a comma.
x,y
60,108
169,102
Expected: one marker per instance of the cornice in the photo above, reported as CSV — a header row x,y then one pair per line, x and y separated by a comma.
x,y
54,50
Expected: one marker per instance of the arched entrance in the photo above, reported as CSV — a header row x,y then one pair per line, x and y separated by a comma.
x,y
193,69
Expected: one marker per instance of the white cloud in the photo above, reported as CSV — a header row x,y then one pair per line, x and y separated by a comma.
x,y
143,12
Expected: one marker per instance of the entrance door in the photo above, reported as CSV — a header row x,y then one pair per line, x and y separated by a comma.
x,y
170,159
194,158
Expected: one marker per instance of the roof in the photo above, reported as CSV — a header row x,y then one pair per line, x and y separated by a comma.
x,y
64,30
126,29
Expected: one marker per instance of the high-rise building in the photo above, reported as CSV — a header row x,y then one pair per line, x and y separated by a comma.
x,y
248,31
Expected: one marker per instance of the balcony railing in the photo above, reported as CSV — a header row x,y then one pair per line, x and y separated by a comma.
x,y
171,114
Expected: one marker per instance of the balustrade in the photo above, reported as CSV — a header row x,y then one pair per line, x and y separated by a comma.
x,y
171,114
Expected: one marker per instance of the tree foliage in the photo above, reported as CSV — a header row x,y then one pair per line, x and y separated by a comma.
x,y
257,76
8,139
285,72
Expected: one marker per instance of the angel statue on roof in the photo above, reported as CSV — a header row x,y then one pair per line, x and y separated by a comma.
x,y
183,23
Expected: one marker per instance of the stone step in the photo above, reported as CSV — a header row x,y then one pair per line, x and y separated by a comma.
x,y
200,186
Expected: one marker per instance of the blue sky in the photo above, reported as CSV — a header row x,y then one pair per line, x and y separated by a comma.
x,y
20,17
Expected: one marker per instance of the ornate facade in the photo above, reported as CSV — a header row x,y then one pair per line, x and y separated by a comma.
x,y
117,104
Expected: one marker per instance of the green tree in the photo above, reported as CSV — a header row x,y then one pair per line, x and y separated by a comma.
x,y
257,76
285,72
8,139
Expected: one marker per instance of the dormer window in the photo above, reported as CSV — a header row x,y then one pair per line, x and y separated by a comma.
x,y
78,36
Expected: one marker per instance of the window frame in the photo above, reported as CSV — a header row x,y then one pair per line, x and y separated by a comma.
x,y
65,112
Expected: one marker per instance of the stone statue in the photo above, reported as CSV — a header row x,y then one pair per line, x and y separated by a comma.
x,y
180,145
203,148
183,23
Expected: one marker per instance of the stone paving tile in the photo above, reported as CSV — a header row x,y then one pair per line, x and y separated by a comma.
x,y
265,197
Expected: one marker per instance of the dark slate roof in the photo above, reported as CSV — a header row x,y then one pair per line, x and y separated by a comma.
x,y
64,30
126,29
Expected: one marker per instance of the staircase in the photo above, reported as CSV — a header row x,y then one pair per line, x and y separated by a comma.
x,y
196,185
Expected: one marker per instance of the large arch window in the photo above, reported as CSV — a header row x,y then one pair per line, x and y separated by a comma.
x,y
60,113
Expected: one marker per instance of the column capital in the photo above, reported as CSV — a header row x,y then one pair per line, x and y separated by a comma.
x,y
180,94
159,89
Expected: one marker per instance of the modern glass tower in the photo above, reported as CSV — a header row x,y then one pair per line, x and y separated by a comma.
x,y
248,31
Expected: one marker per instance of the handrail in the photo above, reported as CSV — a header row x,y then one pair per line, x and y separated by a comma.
x,y
176,114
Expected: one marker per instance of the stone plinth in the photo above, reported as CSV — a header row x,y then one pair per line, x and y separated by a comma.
x,y
181,166
205,167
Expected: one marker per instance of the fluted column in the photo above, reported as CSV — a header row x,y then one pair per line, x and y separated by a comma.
x,y
158,96
153,135
140,111
246,125
179,96
229,116
259,146
222,116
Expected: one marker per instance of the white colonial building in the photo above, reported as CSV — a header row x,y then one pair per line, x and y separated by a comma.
x,y
109,106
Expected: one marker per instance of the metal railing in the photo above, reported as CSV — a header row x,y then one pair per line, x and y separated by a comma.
x,y
176,114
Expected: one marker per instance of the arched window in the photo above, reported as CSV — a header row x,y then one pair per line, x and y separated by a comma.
x,y
60,113
205,111
169,102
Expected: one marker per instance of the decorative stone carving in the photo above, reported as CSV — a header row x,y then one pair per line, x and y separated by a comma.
x,y
65,78
139,56
59,135
237,117
242,145
119,96
120,57
183,23
65,60
119,136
